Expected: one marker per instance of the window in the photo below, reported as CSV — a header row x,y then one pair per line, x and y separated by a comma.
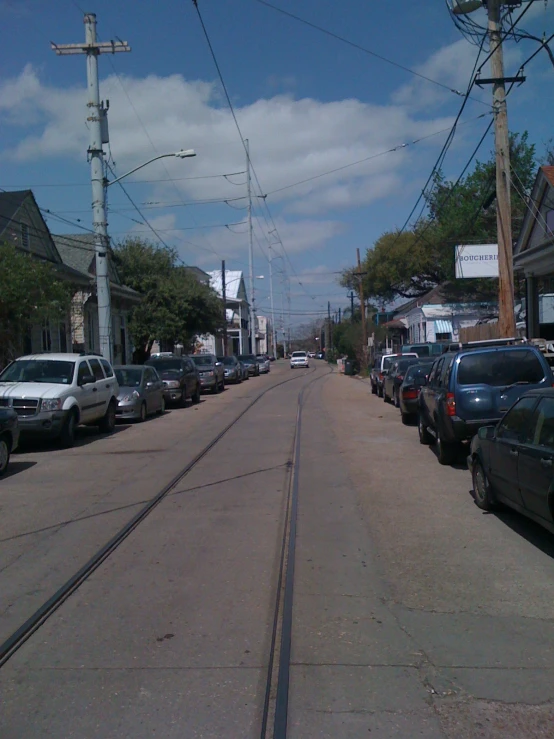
x,y
25,236
83,371
39,370
96,368
107,369
543,429
46,337
516,423
499,368
437,374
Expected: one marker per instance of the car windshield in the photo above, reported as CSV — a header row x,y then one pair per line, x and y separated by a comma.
x,y
387,361
299,354
247,357
227,361
403,364
417,373
39,370
261,357
203,360
166,365
499,368
128,377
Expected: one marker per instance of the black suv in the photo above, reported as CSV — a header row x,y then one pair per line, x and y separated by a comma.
x,y
474,387
180,378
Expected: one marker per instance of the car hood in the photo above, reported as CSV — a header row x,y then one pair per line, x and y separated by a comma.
x,y
124,390
32,389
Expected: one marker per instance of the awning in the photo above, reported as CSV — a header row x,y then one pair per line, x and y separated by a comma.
x,y
443,327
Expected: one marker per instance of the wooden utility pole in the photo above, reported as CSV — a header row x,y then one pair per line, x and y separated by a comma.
x,y
506,317
362,311
224,296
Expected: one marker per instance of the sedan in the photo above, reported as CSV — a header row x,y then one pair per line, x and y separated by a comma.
x,y
9,436
263,361
212,374
251,363
141,392
408,395
232,368
513,462
394,378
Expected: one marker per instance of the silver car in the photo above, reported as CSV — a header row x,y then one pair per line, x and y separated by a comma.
x,y
234,372
140,392
263,361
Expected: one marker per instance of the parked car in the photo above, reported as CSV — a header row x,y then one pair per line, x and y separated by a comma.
x,y
232,369
263,361
513,462
472,388
408,396
394,377
53,393
9,436
251,364
211,371
180,378
141,392
299,359
244,369
381,366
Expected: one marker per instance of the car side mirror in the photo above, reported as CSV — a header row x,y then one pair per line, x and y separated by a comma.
x,y
218,364
486,432
149,384
87,380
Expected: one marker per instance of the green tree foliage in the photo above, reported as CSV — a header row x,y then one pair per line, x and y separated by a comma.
x,y
409,264
29,294
176,307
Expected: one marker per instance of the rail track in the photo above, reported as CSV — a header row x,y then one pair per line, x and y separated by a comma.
x,y
275,706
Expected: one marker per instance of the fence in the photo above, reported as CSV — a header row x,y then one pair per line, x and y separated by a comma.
x,y
481,332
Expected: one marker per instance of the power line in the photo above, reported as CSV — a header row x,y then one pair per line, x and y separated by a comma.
x,y
129,182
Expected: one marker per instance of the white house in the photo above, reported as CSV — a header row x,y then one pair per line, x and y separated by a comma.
x,y
236,311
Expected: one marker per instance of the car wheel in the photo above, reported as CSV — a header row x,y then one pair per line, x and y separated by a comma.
x,y
142,416
183,398
161,409
373,389
215,388
482,491
67,436
4,454
396,400
107,424
424,436
196,396
406,418
446,451
379,391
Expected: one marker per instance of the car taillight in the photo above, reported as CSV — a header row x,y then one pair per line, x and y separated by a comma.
x,y
450,404
400,377
380,375
409,393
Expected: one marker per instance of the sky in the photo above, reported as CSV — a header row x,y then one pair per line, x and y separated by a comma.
x,y
307,103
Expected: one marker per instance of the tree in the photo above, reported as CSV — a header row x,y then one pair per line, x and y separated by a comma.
x,y
30,293
410,263
176,307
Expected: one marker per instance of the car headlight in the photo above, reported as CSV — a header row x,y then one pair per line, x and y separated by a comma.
x,y
172,383
51,404
131,396
210,373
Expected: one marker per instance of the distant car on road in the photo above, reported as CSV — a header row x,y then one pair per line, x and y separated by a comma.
x,y
251,364
180,378
141,392
474,387
414,379
9,436
263,361
513,462
211,372
232,369
299,359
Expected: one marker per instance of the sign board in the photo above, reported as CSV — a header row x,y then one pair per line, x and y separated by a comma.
x,y
477,260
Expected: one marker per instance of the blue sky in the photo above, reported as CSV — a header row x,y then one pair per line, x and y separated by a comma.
x,y
307,103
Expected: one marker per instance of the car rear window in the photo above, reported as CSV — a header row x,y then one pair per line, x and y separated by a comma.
x,y
500,368
163,365
299,354
203,360
387,361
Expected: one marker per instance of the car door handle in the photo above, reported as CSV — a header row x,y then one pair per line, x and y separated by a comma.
x,y
545,462
514,453
108,386
94,389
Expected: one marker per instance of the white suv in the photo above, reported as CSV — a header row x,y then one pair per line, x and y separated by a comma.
x,y
53,393
299,359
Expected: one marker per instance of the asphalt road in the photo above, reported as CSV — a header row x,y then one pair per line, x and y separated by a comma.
x,y
415,614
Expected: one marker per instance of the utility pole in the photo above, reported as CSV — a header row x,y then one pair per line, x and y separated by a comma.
x,y
351,296
283,315
273,334
224,296
330,336
97,123
362,311
340,319
506,317
250,255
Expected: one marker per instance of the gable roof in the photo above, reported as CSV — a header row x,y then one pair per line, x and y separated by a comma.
x,y
78,252
543,182
233,281
21,203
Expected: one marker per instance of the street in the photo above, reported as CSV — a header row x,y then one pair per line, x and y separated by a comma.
x,y
414,614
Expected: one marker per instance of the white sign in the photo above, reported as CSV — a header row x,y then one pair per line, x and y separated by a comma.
x,y
477,261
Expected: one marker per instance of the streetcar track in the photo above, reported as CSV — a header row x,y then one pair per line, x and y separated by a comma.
x,y
14,642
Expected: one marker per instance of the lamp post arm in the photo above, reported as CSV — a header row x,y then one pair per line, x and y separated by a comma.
x,y
179,154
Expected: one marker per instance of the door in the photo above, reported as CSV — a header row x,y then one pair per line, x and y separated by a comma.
x,y
87,394
190,377
101,388
511,433
536,459
151,390
435,393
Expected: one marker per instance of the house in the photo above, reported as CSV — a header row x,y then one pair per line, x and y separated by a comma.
x,y
77,251
236,311
73,257
534,256
265,336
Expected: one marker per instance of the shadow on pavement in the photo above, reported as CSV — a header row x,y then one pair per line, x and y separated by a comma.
x,y
85,435
15,467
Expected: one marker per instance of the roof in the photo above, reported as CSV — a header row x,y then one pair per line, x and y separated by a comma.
x,y
233,279
549,174
10,203
78,251
21,203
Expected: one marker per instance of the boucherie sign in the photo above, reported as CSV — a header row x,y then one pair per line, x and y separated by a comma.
x,y
477,260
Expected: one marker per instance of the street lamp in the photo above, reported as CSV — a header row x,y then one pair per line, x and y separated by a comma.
x,y
183,154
